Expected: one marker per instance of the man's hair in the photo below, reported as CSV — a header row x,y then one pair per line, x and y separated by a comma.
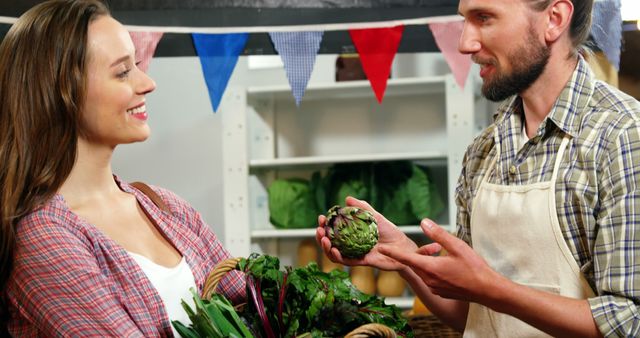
x,y
580,22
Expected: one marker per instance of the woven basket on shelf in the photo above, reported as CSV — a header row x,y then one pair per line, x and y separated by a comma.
x,y
428,325
364,331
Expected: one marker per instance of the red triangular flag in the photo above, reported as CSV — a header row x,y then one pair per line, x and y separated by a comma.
x,y
377,47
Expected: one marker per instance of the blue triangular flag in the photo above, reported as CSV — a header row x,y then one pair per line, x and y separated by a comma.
x,y
218,56
606,29
298,51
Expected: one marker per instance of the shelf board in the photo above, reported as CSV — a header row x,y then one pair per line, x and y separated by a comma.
x,y
303,233
401,302
315,160
352,89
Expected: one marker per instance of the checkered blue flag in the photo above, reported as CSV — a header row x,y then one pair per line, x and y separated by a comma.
x,y
298,51
606,29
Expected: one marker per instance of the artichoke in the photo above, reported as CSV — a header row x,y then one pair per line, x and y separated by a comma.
x,y
353,231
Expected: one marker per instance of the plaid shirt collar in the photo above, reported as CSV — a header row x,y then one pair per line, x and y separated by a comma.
x,y
564,114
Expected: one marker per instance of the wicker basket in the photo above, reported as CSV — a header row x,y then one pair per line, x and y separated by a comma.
x,y
428,325
364,331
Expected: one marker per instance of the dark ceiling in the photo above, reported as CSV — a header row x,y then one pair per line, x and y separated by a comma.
x,y
243,13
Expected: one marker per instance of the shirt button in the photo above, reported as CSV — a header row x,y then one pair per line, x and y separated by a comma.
x,y
512,169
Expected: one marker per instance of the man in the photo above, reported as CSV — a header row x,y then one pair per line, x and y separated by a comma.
x,y
547,199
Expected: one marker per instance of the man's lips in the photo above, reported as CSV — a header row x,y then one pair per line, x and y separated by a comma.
x,y
486,65
485,70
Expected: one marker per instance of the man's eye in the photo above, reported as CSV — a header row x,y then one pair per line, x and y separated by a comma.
x,y
483,17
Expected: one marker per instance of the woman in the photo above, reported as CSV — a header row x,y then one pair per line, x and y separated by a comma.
x,y
83,253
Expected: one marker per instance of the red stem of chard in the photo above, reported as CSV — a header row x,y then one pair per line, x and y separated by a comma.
x,y
256,295
283,291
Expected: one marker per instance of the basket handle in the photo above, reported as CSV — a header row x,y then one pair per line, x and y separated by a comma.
x,y
372,330
216,275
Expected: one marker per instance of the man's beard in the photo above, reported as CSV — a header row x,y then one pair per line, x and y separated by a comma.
x,y
528,64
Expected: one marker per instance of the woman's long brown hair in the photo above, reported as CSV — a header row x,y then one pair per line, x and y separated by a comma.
x,y
42,89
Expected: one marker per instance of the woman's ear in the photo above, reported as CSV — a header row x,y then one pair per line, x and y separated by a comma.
x,y
559,14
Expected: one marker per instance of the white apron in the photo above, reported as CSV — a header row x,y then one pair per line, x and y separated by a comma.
x,y
516,230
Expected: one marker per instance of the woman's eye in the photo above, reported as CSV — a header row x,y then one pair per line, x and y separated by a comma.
x,y
123,74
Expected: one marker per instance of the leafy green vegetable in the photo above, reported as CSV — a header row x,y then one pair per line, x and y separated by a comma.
x,y
400,190
215,318
314,303
292,204
302,302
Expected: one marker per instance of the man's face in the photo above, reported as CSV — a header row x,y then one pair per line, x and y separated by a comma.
x,y
526,64
501,37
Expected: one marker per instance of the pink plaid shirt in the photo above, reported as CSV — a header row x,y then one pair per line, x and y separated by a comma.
x,y
70,280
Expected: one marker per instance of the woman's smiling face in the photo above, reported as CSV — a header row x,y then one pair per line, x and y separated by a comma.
x,y
114,109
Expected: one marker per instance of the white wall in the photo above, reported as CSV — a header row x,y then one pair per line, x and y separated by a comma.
x,y
183,151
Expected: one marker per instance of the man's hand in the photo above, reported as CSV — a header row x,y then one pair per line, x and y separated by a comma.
x,y
388,236
461,274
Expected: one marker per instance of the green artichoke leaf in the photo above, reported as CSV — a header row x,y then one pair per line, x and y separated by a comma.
x,y
353,231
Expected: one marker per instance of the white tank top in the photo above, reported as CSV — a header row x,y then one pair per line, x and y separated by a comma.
x,y
172,285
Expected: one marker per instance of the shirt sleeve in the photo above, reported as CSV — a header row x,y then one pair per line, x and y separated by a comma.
x,y
57,287
617,242
473,163
462,196
232,285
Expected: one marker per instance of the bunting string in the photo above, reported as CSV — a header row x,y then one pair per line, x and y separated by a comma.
x,y
376,42
288,28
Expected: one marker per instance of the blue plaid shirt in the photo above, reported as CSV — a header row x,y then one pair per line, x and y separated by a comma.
x,y
597,191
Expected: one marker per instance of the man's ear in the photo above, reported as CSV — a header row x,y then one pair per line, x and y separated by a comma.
x,y
559,14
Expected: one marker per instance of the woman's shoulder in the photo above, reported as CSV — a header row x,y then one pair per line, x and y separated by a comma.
x,y
52,212
52,222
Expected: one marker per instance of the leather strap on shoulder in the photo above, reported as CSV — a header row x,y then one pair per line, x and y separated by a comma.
x,y
155,198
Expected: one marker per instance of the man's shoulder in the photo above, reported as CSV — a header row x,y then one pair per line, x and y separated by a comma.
x,y
485,139
480,148
607,98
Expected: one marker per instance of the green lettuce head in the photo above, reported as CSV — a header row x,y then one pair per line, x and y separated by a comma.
x,y
353,231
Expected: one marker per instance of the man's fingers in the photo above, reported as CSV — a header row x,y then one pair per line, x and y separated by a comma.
x,y
320,233
354,202
429,249
439,235
410,259
321,220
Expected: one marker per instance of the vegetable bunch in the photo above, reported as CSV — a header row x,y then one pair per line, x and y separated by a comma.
x,y
307,301
214,318
301,302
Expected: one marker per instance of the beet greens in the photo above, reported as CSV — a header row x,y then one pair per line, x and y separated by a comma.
x,y
293,302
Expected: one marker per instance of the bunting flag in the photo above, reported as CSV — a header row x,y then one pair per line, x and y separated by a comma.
x,y
298,51
606,29
145,43
447,36
218,55
377,47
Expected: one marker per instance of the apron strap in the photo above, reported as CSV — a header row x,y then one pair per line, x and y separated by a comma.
x,y
556,166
